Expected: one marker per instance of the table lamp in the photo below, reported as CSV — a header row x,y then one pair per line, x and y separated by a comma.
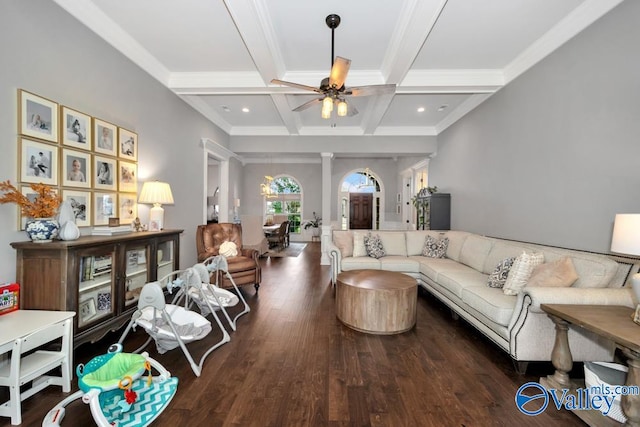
x,y
158,193
626,240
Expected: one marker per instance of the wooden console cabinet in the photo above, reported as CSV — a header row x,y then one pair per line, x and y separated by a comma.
x,y
98,277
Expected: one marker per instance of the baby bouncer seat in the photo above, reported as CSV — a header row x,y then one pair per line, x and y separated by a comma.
x,y
117,391
211,295
173,325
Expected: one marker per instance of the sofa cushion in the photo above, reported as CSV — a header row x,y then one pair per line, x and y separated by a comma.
x,y
373,245
521,271
456,241
364,262
491,302
394,242
559,273
343,239
435,247
499,275
358,243
431,267
399,263
474,251
415,240
456,280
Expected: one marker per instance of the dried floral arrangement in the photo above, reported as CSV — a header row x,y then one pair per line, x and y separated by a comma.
x,y
44,205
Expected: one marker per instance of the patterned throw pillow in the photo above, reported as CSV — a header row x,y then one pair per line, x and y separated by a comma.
x,y
435,248
374,247
521,271
498,276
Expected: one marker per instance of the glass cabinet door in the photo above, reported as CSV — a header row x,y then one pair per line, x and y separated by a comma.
x,y
95,290
165,258
136,272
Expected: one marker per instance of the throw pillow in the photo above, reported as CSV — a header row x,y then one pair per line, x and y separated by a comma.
x,y
499,275
228,249
374,247
559,273
358,244
344,241
435,248
521,272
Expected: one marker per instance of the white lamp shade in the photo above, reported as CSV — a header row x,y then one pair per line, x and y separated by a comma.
x,y
158,193
626,234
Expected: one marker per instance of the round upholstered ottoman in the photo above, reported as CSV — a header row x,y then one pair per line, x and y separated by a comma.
x,y
376,301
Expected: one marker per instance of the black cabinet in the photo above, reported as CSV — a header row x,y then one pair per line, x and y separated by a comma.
x,y
433,211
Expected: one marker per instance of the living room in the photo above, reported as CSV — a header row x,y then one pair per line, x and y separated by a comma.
x,y
547,159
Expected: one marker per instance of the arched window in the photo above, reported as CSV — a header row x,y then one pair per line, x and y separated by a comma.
x,y
285,199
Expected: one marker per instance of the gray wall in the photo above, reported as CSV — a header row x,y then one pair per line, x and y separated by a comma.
x,y
47,52
554,156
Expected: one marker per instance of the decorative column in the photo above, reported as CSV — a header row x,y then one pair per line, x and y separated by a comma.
x,y
560,355
325,238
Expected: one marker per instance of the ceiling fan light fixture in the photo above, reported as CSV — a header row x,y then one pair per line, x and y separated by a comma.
x,y
327,104
326,114
342,108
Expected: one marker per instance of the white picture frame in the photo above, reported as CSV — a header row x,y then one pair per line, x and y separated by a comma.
x,y
81,204
76,168
105,137
104,207
105,173
76,129
38,116
38,162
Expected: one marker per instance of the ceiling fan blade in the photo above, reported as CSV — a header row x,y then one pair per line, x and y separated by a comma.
x,y
296,85
339,72
371,90
308,104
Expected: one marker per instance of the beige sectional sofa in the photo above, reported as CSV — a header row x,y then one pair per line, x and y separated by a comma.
x,y
516,323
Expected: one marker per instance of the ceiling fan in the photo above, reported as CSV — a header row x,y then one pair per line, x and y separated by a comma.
x,y
332,88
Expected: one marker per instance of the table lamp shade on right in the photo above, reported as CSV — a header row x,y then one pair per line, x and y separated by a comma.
x,y
626,240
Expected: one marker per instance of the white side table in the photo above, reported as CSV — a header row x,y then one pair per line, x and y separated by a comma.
x,y
22,331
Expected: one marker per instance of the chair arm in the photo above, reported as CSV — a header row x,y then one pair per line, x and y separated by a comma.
x,y
579,296
250,253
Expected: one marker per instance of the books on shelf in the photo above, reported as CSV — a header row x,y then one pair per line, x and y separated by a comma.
x,y
108,231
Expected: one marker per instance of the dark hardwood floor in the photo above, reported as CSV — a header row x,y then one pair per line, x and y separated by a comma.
x,y
292,363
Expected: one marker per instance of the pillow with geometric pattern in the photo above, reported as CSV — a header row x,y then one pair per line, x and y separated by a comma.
x,y
499,275
435,248
373,245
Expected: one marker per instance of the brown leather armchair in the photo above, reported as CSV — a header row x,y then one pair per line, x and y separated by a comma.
x,y
244,268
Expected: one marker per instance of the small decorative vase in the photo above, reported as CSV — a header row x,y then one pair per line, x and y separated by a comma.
x,y
41,230
315,231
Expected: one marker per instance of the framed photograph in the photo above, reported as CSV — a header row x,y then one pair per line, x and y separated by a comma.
x,y
38,162
104,173
76,168
127,176
127,144
128,207
87,310
104,206
38,117
132,258
31,195
76,129
154,225
81,204
104,137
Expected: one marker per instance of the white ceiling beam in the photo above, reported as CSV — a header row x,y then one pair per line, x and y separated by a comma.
x,y
205,109
251,18
376,108
290,120
417,19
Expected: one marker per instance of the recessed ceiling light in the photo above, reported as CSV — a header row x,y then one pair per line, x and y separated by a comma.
x,y
226,109
443,107
420,109
245,110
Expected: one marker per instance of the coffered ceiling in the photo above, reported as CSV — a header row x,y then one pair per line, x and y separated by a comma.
x,y
445,57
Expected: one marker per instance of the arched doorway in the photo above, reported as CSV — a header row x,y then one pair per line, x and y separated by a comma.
x,y
361,200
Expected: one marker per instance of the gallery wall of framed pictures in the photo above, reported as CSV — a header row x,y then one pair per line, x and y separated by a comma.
x,y
92,163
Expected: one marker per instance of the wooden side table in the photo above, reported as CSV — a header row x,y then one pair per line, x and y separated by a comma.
x,y
611,322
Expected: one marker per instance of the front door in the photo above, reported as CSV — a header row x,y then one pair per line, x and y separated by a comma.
x,y
360,209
